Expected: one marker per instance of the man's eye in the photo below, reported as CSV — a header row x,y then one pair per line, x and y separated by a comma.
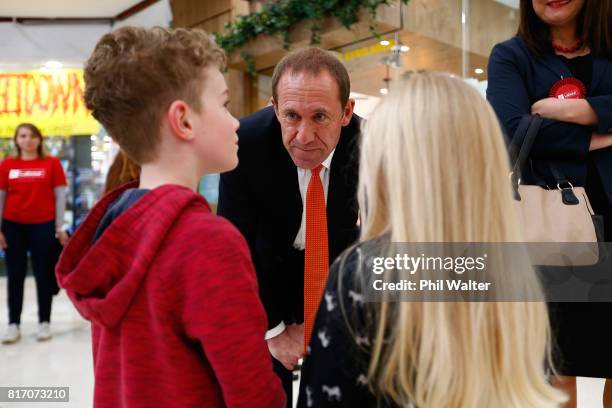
x,y
291,116
320,117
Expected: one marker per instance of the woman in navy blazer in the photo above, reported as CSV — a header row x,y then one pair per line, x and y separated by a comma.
x,y
557,40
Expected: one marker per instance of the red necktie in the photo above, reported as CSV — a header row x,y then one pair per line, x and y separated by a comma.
x,y
316,259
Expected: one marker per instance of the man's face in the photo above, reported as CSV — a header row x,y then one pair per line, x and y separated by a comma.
x,y
311,116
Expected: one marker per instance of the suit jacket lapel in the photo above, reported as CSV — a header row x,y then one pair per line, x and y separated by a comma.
x,y
288,189
555,65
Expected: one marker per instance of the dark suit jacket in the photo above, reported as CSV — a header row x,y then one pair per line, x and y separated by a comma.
x,y
261,197
517,79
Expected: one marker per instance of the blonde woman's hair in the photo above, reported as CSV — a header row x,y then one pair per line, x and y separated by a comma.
x,y
434,168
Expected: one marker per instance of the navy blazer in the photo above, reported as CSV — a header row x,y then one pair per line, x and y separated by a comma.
x,y
518,79
261,197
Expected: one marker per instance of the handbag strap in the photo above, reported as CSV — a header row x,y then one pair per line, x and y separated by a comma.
x,y
523,140
520,148
568,195
518,138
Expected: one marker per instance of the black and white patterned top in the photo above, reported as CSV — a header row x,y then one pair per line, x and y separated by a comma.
x,y
334,373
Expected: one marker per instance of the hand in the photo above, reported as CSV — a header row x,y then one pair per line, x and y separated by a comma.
x,y
62,237
599,141
551,108
296,332
286,349
578,111
3,241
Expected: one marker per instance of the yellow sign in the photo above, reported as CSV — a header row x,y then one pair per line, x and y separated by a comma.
x,y
51,100
365,51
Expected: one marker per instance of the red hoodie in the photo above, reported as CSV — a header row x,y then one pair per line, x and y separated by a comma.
x,y
172,296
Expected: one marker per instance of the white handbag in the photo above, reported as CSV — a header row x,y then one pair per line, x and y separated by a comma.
x,y
559,225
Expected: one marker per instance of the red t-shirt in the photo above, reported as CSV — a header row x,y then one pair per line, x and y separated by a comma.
x,y
29,188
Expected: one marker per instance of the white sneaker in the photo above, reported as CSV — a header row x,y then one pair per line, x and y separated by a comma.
x,y
44,332
12,334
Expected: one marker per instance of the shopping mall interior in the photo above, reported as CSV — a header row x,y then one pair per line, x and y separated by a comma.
x,y
44,45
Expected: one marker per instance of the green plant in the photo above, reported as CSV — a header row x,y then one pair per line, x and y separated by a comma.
x,y
278,17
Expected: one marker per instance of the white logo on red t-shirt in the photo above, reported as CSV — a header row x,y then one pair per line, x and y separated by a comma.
x,y
26,174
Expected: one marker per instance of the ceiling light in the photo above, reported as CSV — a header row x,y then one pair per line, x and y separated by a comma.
x,y
404,48
479,71
385,43
384,91
53,64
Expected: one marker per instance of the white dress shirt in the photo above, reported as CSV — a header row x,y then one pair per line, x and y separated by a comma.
x,y
300,239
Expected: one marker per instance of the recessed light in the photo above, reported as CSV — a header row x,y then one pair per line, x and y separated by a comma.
x,y
479,71
404,48
385,43
384,91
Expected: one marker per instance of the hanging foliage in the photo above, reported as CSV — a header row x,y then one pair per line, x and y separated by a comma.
x,y
278,17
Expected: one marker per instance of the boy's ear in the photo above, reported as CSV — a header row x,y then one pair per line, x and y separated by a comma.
x,y
179,119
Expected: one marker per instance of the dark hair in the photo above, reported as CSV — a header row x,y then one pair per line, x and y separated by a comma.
x,y
36,132
593,25
312,60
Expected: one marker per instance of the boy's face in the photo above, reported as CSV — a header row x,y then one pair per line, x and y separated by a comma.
x,y
216,141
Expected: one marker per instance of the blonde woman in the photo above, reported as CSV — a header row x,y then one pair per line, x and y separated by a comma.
x,y
433,169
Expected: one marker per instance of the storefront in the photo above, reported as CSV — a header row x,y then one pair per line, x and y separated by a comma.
x,y
51,98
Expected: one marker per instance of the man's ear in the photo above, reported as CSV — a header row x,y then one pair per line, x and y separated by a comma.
x,y
179,120
275,106
348,112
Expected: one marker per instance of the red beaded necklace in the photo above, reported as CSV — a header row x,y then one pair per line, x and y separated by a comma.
x,y
569,50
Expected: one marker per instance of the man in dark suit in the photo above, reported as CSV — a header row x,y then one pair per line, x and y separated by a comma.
x,y
281,209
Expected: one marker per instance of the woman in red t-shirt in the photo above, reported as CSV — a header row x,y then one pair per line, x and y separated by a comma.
x,y
32,204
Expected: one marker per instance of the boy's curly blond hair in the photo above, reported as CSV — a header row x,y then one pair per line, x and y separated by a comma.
x,y
134,74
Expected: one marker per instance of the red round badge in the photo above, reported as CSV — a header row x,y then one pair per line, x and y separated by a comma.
x,y
568,88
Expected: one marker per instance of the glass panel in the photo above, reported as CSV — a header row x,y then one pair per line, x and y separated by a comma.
x,y
454,36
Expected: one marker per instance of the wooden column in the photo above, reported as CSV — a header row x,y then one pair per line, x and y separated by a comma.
x,y
211,16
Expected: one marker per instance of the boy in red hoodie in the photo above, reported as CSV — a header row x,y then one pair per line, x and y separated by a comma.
x,y
168,286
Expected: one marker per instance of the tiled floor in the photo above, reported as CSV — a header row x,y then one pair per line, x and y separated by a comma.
x,y
66,359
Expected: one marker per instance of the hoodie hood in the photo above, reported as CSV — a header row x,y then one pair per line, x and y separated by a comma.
x,y
102,278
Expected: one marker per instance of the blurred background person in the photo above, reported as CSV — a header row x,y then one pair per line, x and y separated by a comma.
x,y
32,204
433,168
559,66
121,171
